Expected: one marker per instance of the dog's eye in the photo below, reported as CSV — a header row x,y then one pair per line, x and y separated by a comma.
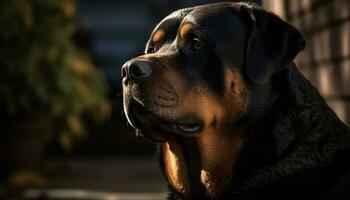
x,y
151,49
198,44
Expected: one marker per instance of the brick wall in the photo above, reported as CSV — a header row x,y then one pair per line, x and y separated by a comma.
x,y
326,60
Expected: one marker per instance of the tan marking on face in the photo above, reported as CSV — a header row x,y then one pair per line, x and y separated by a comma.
x,y
207,105
185,29
158,36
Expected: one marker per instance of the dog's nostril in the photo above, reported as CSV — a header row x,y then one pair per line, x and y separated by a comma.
x,y
136,69
139,69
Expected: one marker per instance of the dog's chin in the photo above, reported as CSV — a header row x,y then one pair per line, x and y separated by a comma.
x,y
159,125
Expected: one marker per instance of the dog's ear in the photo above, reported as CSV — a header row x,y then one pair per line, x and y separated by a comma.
x,y
273,44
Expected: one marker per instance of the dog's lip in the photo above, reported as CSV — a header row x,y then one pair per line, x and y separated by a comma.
x,y
190,125
140,128
159,127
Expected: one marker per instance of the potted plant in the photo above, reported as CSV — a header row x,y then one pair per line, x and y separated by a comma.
x,y
47,87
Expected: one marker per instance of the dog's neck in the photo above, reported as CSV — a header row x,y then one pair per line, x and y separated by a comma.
x,y
272,151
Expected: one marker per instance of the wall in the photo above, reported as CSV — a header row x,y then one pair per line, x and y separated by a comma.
x,y
326,60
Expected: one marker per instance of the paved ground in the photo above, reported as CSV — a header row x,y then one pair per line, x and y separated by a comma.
x,y
102,178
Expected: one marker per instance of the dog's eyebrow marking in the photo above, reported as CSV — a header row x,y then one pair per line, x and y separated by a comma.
x,y
184,29
158,36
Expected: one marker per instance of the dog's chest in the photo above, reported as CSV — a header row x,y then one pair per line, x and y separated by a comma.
x,y
213,168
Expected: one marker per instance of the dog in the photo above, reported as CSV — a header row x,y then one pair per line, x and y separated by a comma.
x,y
218,92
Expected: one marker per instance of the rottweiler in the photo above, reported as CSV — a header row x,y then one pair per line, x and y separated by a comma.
x,y
233,118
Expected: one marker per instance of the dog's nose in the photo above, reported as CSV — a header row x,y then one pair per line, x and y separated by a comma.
x,y
136,69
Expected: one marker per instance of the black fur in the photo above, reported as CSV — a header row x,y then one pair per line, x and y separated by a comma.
x,y
295,147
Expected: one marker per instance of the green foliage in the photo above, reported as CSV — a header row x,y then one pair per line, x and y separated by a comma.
x,y
42,75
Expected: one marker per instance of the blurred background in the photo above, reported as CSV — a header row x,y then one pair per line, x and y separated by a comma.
x,y
63,134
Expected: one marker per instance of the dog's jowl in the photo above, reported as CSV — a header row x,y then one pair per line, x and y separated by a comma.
x,y
218,92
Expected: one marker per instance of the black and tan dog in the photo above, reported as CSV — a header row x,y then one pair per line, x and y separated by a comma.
x,y
217,90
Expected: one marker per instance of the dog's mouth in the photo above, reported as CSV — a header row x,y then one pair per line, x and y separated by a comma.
x,y
157,126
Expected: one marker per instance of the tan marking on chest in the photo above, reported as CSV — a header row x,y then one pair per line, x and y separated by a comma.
x,y
175,167
219,152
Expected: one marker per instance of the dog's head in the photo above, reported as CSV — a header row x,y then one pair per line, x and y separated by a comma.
x,y
191,88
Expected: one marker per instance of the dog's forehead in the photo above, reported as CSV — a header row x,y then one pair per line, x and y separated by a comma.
x,y
200,13
215,16
173,20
